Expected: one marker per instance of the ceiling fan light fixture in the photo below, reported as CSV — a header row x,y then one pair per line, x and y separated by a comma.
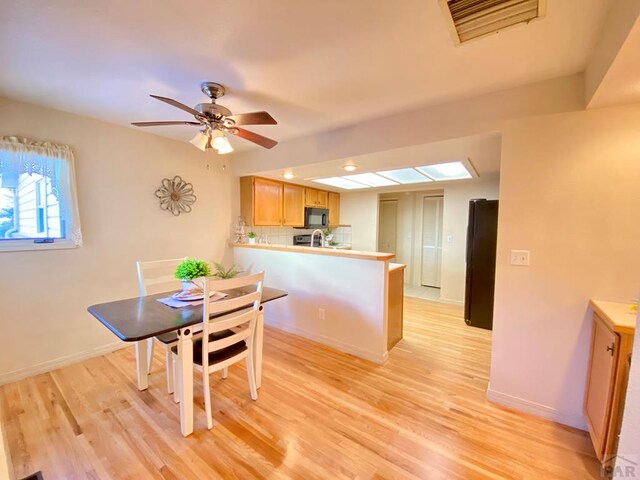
x,y
225,148
201,141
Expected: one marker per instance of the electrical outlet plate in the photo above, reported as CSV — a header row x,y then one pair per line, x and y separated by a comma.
x,y
321,313
520,258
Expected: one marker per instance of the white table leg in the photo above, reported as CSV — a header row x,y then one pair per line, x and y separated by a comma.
x,y
257,348
185,379
142,369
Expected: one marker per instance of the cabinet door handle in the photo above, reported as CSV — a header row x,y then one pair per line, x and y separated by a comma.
x,y
610,348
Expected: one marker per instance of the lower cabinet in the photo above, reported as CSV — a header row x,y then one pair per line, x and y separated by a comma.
x,y
606,386
395,304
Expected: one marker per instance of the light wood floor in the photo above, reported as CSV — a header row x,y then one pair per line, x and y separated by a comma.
x,y
320,414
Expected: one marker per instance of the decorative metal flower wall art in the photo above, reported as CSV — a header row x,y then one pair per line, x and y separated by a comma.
x,y
176,195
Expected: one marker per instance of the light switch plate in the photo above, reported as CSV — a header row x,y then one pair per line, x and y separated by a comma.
x,y
520,257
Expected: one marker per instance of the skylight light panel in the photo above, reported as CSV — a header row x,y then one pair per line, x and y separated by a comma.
x,y
405,175
371,180
446,171
340,183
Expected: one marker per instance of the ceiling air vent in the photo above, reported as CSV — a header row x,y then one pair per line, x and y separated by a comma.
x,y
471,19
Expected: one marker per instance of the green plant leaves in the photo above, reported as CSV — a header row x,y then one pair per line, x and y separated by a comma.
x,y
192,268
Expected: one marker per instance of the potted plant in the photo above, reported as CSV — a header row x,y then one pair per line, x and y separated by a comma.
x,y
189,269
252,238
328,237
224,274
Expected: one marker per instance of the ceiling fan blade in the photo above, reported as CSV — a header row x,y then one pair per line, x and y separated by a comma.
x,y
159,124
254,137
253,118
177,104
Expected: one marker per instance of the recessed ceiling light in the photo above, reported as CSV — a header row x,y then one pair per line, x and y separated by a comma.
x,y
446,171
350,168
405,175
289,175
340,182
371,180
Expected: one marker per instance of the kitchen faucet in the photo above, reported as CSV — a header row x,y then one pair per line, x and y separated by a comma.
x,y
321,237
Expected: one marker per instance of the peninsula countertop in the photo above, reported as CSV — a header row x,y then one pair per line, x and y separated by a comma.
x,y
336,252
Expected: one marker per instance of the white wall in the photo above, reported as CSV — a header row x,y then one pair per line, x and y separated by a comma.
x,y
360,210
44,294
455,219
351,292
569,193
629,445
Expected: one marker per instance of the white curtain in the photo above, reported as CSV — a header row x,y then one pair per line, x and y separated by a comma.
x,y
21,155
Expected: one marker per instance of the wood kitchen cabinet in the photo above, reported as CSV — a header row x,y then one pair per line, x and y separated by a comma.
x,y
395,304
293,205
611,344
261,201
334,209
270,203
316,198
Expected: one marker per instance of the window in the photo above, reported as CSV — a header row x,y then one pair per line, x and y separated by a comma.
x,y
38,207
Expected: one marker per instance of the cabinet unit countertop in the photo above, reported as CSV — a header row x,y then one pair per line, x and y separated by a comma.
x,y
617,315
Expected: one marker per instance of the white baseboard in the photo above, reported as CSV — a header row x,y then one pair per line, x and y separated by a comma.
x,y
537,409
451,301
49,365
330,342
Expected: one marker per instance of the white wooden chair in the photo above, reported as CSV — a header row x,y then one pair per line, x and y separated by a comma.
x,y
156,277
230,337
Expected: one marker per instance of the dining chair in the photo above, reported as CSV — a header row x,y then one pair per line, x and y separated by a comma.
x,y
156,277
228,337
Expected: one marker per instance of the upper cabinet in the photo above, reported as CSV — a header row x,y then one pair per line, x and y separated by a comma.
x,y
260,201
316,198
270,203
293,205
334,209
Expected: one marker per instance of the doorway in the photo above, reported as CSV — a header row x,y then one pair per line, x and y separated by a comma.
x,y
388,229
432,210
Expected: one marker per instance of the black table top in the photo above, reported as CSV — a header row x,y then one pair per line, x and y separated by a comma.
x,y
138,318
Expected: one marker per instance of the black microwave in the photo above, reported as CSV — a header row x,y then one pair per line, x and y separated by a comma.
x,y
316,217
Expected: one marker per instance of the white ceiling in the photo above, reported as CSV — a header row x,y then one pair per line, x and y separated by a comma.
x,y
312,65
482,151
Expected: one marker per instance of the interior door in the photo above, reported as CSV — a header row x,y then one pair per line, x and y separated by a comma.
x,y
431,241
388,229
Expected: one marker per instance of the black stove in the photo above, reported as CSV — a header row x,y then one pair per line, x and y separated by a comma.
x,y
305,240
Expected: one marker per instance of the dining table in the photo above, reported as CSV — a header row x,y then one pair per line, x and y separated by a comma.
x,y
142,318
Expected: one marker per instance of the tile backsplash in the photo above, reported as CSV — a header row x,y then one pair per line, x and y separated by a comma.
x,y
284,235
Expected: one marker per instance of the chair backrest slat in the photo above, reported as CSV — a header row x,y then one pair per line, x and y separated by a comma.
x,y
225,305
249,289
158,274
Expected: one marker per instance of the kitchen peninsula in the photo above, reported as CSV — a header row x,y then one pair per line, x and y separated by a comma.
x,y
345,299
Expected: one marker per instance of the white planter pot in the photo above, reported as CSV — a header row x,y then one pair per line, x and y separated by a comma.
x,y
252,241
187,285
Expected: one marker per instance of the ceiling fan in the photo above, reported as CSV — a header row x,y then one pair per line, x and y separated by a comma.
x,y
217,120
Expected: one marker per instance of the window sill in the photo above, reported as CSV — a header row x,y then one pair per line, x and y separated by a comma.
x,y
28,245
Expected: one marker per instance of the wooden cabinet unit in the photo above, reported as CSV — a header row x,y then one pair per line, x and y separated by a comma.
x,y
293,205
334,209
395,304
316,198
270,203
261,201
611,344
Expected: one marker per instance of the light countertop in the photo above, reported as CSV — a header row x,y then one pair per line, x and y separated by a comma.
x,y
337,252
617,315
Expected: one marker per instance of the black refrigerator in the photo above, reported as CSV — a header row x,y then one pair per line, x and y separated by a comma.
x,y
482,233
